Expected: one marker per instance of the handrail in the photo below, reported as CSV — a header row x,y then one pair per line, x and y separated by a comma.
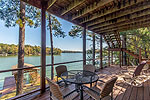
x,y
16,69
19,96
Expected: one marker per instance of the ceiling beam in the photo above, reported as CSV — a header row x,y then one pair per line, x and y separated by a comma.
x,y
35,3
127,27
132,21
74,4
114,13
90,8
51,3
121,19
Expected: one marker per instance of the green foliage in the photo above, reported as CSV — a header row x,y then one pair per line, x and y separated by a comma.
x,y
10,13
56,27
76,31
12,49
138,38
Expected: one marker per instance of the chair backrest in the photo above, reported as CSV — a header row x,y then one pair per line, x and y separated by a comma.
x,y
54,89
139,68
89,68
108,87
60,69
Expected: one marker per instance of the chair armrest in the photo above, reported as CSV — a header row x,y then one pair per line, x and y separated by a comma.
x,y
102,81
92,90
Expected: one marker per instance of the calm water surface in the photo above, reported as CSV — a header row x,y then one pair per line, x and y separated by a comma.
x,y
8,62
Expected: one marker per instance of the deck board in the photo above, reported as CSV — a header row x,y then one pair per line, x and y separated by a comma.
x,y
121,90
133,94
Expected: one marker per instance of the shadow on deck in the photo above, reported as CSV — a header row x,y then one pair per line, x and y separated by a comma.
x,y
121,90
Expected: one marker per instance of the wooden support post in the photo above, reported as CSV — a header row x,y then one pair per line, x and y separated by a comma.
x,y
128,61
140,57
124,55
120,58
93,48
112,58
84,45
108,58
101,52
43,46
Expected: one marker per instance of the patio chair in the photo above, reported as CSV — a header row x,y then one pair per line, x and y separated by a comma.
x,y
57,94
89,68
105,92
136,78
59,70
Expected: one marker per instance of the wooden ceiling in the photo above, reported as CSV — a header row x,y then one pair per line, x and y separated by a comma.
x,y
101,16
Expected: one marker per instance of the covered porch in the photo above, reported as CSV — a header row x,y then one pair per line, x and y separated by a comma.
x,y
103,17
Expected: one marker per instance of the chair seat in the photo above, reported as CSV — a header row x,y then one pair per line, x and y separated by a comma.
x,y
67,90
92,93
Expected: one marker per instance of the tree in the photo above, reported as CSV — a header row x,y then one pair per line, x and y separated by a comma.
x,y
13,12
54,25
138,38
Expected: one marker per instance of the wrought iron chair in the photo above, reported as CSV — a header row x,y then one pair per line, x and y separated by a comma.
x,y
136,78
57,94
105,92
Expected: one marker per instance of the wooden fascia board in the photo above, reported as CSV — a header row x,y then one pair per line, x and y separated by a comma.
x,y
35,3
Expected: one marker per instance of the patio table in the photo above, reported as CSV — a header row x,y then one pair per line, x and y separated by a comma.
x,y
79,77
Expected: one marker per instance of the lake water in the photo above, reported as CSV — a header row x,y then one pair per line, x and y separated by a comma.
x,y
8,62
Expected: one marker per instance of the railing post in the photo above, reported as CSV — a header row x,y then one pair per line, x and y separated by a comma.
x,y
109,58
140,57
84,45
93,48
112,58
101,50
120,58
43,46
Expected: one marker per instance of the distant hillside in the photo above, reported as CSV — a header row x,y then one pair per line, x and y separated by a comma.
x,y
68,51
12,49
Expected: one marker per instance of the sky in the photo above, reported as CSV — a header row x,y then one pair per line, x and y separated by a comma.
x,y
33,37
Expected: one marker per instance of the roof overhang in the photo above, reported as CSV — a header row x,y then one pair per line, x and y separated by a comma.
x,y
100,16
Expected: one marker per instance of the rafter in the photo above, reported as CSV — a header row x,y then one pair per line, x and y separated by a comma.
x,y
120,20
89,8
106,12
121,13
51,3
72,5
141,19
128,27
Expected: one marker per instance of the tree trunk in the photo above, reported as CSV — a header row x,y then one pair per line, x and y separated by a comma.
x,y
52,54
19,89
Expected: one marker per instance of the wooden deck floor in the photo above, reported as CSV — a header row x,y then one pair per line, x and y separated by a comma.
x,y
122,91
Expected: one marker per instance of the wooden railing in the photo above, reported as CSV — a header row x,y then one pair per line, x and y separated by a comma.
x,y
33,91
